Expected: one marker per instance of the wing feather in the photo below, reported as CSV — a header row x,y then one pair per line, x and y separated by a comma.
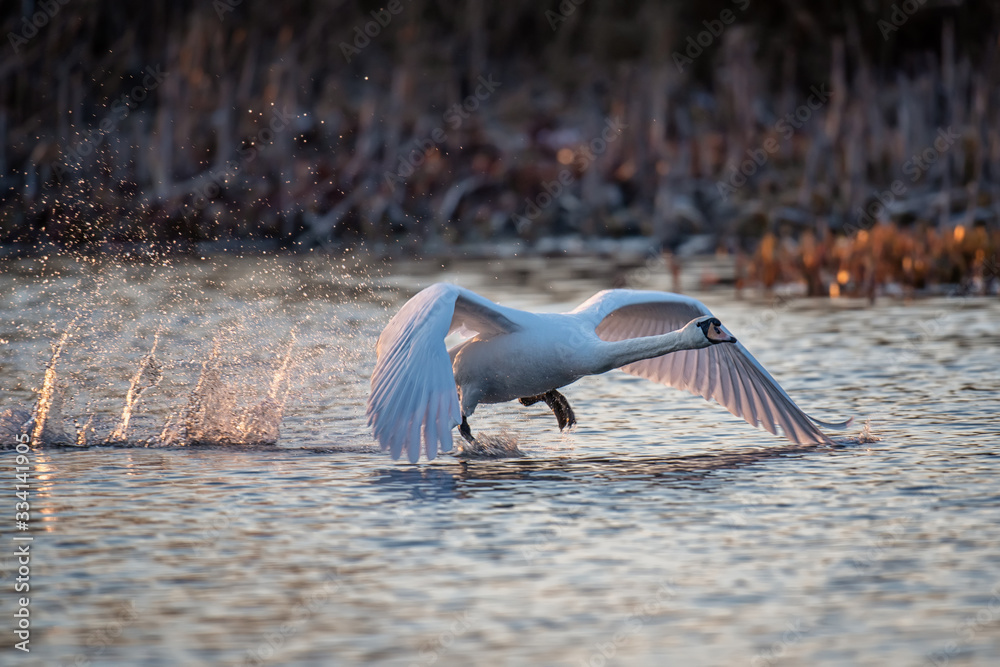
x,y
413,397
726,373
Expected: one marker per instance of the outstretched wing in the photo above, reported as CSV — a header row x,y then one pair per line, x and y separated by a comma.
x,y
413,394
726,372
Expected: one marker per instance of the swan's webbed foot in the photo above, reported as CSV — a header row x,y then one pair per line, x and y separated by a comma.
x,y
557,403
466,431
560,406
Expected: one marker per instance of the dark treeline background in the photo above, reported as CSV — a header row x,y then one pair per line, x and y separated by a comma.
x,y
233,119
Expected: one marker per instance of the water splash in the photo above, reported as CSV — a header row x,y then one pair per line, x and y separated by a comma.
x,y
866,435
209,411
46,417
181,352
504,445
214,415
147,376
260,423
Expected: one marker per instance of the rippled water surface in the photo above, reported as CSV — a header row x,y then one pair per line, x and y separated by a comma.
x,y
661,531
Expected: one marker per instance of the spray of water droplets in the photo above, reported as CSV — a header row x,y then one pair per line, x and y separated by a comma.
x,y
180,351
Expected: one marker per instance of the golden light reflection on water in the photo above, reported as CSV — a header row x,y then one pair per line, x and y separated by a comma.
x,y
46,472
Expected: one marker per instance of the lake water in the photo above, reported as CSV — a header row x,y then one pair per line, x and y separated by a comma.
x,y
661,531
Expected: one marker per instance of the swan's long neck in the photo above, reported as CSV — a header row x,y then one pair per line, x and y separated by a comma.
x,y
625,352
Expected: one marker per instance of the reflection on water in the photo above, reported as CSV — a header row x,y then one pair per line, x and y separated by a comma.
x,y
662,530
660,470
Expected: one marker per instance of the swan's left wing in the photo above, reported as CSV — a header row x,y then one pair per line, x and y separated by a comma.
x,y
413,394
726,372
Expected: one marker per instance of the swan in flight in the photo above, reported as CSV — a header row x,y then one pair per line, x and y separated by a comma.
x,y
421,390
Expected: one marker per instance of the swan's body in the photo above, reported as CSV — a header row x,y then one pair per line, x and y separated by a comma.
x,y
420,390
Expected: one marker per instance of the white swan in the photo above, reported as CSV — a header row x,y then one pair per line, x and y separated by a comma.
x,y
420,390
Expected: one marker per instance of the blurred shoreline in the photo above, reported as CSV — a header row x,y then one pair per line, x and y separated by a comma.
x,y
816,146
605,263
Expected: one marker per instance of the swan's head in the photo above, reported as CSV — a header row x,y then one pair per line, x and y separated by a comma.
x,y
709,331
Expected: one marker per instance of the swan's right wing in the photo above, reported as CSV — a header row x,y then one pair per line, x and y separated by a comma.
x,y
413,393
